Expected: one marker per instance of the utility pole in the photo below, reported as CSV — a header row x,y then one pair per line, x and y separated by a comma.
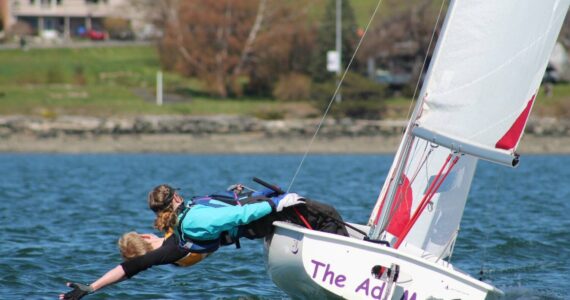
x,y
339,46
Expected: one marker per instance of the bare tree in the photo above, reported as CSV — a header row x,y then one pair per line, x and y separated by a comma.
x,y
400,42
221,42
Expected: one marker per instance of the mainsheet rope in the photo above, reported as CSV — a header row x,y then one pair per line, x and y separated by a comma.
x,y
333,97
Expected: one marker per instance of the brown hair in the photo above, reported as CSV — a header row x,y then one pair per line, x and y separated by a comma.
x,y
131,245
160,201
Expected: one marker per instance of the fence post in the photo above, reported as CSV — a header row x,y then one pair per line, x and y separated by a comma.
x,y
159,88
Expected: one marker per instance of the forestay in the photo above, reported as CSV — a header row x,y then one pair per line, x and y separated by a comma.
x,y
480,88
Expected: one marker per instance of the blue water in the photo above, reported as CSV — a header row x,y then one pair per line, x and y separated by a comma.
x,y
61,215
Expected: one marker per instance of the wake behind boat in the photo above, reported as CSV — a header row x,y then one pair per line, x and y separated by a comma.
x,y
479,90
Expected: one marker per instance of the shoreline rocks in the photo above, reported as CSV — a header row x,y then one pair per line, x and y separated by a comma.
x,y
72,125
231,134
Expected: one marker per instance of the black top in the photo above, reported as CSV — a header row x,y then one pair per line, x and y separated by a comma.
x,y
168,253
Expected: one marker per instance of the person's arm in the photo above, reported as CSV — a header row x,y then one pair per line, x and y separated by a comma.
x,y
80,290
113,276
205,222
168,253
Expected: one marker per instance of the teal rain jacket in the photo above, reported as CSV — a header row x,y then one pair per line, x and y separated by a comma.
x,y
206,222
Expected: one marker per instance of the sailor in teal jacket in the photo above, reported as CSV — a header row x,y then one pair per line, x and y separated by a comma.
x,y
207,223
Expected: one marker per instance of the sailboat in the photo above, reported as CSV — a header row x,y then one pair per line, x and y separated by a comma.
x,y
477,95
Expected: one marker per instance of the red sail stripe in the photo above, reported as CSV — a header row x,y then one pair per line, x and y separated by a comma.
x,y
404,206
511,138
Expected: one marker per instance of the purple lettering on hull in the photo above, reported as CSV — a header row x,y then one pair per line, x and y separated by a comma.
x,y
325,273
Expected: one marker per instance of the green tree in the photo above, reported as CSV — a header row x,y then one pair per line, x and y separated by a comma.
x,y
326,36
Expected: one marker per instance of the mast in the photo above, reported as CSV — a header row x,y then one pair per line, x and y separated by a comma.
x,y
401,157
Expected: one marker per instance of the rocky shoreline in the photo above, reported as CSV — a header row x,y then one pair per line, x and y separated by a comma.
x,y
229,134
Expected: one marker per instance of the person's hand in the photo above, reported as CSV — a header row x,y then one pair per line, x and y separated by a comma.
x,y
287,200
238,188
148,236
79,291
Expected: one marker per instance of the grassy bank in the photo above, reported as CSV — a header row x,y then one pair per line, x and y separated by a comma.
x,y
121,81
103,81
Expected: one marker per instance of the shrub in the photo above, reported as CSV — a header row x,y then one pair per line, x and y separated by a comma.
x,y
361,97
293,87
364,109
118,28
560,109
269,114
54,75
79,75
48,114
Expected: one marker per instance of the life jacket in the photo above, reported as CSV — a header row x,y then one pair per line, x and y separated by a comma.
x,y
256,229
191,258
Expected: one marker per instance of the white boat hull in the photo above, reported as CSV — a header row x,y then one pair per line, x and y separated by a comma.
x,y
308,264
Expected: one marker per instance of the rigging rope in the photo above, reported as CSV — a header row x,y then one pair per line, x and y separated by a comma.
x,y
424,159
494,198
451,245
334,95
397,202
434,187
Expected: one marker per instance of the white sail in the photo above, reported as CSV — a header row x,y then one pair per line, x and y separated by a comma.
x,y
487,70
475,102
481,85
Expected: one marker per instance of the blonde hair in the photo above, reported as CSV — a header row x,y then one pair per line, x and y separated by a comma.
x,y
131,245
160,201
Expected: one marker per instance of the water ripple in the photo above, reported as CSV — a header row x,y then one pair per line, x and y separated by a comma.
x,y
61,216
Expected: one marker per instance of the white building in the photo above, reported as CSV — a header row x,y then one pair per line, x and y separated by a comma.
x,y
66,17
